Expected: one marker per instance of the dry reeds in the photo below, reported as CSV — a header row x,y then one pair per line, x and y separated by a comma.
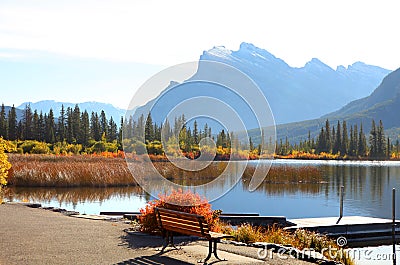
x,y
99,171
68,171
289,174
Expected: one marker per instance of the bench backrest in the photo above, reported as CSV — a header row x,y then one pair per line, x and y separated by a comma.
x,y
184,223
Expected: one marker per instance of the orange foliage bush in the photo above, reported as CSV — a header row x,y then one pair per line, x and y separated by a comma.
x,y
182,201
119,153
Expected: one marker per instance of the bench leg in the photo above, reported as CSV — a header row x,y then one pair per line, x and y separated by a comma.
x,y
212,249
215,250
169,240
166,243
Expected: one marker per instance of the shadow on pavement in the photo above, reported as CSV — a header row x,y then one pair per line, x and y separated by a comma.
x,y
141,240
153,260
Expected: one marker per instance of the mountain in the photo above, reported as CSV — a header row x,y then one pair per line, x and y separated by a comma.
x,y
46,105
382,104
387,91
297,94
294,94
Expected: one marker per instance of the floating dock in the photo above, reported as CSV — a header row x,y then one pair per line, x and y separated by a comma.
x,y
358,230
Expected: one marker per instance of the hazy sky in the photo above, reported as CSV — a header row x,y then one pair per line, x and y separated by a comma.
x,y
47,46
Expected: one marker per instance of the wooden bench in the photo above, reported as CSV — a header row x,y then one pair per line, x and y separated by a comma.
x,y
171,222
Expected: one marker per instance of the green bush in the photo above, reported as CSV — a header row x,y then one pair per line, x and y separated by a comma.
x,y
112,147
154,148
74,148
27,146
99,147
40,148
140,148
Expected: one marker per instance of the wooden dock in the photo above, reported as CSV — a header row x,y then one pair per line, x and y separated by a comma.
x,y
358,230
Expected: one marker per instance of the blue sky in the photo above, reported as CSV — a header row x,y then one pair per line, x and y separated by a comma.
x,y
104,50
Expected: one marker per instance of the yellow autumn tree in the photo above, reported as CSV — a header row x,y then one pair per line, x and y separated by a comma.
x,y
4,164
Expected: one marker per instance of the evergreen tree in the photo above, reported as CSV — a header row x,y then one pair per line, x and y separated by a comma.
x,y
103,123
188,140
221,139
309,147
85,129
121,128
157,132
251,144
345,140
50,128
95,128
287,146
352,144
229,140
195,134
381,140
338,141
333,140
166,130
70,133
112,131
140,130
3,123
328,139
76,124
129,128
149,129
12,124
373,140
36,126
321,143
206,130
61,128
42,127
27,123
362,143
20,130
182,136
355,139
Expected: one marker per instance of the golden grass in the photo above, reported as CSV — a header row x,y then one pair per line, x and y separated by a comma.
x,y
300,239
99,171
68,171
289,174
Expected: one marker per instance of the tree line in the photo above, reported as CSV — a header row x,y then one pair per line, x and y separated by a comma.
x,y
72,125
343,142
143,135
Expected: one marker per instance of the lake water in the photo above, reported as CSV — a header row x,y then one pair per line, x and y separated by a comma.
x,y
368,192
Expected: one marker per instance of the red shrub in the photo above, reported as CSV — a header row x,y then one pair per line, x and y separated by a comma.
x,y
178,201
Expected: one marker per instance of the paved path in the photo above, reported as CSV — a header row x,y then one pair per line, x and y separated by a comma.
x,y
37,236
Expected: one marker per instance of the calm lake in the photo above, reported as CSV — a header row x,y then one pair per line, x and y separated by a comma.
x,y
368,192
